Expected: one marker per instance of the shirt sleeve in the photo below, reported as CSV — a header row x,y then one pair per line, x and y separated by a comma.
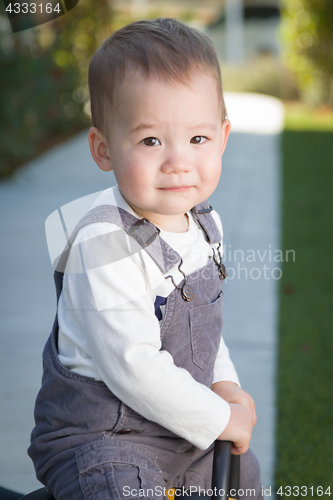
x,y
224,370
110,310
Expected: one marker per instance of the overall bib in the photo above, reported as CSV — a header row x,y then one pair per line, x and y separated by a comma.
x,y
87,444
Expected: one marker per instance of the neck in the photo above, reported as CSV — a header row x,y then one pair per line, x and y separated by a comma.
x,y
171,223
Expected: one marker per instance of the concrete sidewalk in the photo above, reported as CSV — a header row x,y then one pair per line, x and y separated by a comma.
x,y
247,199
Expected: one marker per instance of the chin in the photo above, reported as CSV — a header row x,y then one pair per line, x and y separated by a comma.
x,y
174,211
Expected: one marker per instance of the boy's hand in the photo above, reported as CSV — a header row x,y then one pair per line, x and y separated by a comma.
x,y
233,394
238,430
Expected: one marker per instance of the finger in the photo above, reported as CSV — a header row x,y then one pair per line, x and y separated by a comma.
x,y
234,450
239,450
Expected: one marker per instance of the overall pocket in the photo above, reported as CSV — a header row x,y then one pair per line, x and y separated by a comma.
x,y
118,470
206,326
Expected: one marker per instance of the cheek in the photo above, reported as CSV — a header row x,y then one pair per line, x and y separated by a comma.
x,y
211,167
135,176
144,164
210,176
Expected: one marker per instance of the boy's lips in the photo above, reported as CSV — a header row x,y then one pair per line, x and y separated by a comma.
x,y
175,188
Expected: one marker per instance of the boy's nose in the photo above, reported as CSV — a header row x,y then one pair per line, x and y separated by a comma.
x,y
176,162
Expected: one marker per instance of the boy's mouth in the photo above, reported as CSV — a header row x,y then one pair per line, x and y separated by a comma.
x,y
175,188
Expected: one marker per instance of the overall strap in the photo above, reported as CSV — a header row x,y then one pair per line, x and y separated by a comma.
x,y
202,214
142,230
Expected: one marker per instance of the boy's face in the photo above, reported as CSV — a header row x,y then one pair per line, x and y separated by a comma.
x,y
165,146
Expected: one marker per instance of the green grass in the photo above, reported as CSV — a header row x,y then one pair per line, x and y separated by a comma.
x,y
305,360
300,116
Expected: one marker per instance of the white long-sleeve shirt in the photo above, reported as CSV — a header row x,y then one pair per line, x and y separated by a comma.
x,y
109,328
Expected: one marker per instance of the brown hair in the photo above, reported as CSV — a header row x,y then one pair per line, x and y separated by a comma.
x,y
164,48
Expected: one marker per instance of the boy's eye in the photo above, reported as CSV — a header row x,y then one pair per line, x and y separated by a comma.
x,y
198,139
151,141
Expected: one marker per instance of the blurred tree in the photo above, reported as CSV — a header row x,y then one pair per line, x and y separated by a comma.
x,y
43,84
307,34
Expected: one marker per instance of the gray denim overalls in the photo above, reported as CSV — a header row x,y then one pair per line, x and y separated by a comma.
x,y
89,445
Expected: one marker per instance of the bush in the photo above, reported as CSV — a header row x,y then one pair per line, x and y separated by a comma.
x,y
264,74
307,36
43,88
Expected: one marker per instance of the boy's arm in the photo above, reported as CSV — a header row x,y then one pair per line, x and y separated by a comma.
x,y
226,383
224,369
238,430
121,335
234,395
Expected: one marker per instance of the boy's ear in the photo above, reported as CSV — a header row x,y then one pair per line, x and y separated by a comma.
x,y
99,149
226,125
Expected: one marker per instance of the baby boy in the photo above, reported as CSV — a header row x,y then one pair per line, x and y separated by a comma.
x,y
138,383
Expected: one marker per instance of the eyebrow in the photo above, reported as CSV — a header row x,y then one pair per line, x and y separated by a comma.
x,y
141,127
144,126
211,126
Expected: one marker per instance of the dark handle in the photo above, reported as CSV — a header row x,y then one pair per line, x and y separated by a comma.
x,y
226,470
